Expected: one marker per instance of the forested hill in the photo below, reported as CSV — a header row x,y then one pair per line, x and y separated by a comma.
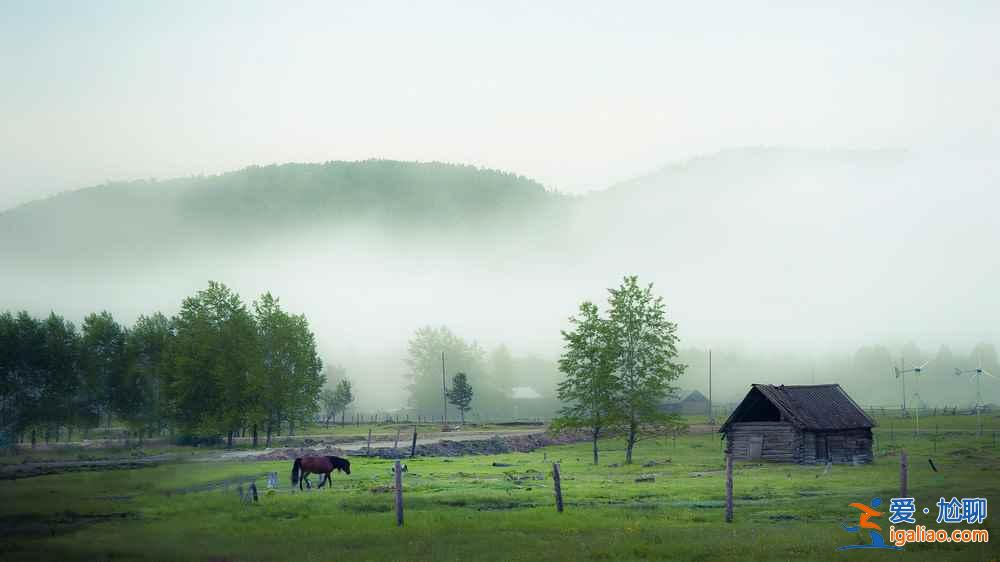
x,y
163,217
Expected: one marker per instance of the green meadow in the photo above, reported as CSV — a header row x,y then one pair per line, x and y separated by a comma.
x,y
501,507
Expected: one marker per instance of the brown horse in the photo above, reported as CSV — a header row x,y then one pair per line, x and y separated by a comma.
x,y
318,465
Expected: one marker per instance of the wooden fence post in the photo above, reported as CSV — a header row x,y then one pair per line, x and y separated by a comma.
x,y
729,487
413,447
558,486
395,445
399,494
902,475
369,453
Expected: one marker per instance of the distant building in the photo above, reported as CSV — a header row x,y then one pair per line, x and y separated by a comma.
x,y
693,404
802,424
524,393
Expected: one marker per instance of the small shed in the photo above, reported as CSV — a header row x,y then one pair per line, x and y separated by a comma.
x,y
803,424
694,403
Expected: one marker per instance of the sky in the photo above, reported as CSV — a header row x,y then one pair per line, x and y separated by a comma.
x,y
578,95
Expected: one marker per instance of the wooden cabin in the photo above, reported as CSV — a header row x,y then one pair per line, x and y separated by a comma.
x,y
693,404
802,424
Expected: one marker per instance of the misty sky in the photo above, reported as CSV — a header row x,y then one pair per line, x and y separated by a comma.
x,y
577,95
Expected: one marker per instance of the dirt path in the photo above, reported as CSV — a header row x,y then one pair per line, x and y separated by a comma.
x,y
405,442
41,468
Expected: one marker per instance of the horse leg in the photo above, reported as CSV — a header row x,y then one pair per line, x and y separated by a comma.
x,y
329,479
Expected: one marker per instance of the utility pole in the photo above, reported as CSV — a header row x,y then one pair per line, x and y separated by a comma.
x,y
711,416
902,369
444,391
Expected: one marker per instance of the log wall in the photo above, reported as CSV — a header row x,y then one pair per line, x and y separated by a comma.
x,y
783,442
780,441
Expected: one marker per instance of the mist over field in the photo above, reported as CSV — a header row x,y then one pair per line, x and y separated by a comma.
x,y
784,261
799,183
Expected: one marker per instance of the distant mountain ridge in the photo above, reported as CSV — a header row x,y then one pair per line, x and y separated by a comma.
x,y
758,243
150,216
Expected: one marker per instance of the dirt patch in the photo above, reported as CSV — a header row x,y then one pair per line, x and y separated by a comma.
x,y
495,445
292,453
28,470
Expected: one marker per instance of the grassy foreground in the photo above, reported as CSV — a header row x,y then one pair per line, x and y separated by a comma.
x,y
468,509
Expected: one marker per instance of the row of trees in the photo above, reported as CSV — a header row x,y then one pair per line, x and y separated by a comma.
x,y
215,369
619,367
493,375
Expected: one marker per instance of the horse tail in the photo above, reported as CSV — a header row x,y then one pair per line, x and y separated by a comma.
x,y
296,468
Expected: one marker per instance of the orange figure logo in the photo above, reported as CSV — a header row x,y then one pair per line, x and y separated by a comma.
x,y
866,514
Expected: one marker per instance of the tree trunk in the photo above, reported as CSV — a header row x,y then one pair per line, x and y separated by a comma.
x,y
597,432
254,433
268,445
33,438
632,434
229,439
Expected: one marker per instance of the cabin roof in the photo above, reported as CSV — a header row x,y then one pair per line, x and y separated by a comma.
x,y
694,395
815,407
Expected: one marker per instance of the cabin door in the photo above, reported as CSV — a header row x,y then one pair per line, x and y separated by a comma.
x,y
756,446
822,452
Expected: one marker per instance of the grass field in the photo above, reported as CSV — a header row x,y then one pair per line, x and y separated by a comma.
x,y
465,508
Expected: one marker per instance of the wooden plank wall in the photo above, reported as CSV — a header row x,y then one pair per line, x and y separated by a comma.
x,y
782,442
847,446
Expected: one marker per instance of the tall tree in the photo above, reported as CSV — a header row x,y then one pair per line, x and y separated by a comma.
x,y
589,387
335,400
212,356
103,359
287,385
343,395
645,352
27,376
147,375
62,355
460,394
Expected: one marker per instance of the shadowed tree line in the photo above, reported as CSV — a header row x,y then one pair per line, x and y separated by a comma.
x,y
217,369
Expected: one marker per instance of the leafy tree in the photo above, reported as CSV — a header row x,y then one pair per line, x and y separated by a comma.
x,y
103,359
211,357
645,346
62,357
460,394
147,375
328,405
10,390
344,395
335,400
287,384
589,388
25,379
